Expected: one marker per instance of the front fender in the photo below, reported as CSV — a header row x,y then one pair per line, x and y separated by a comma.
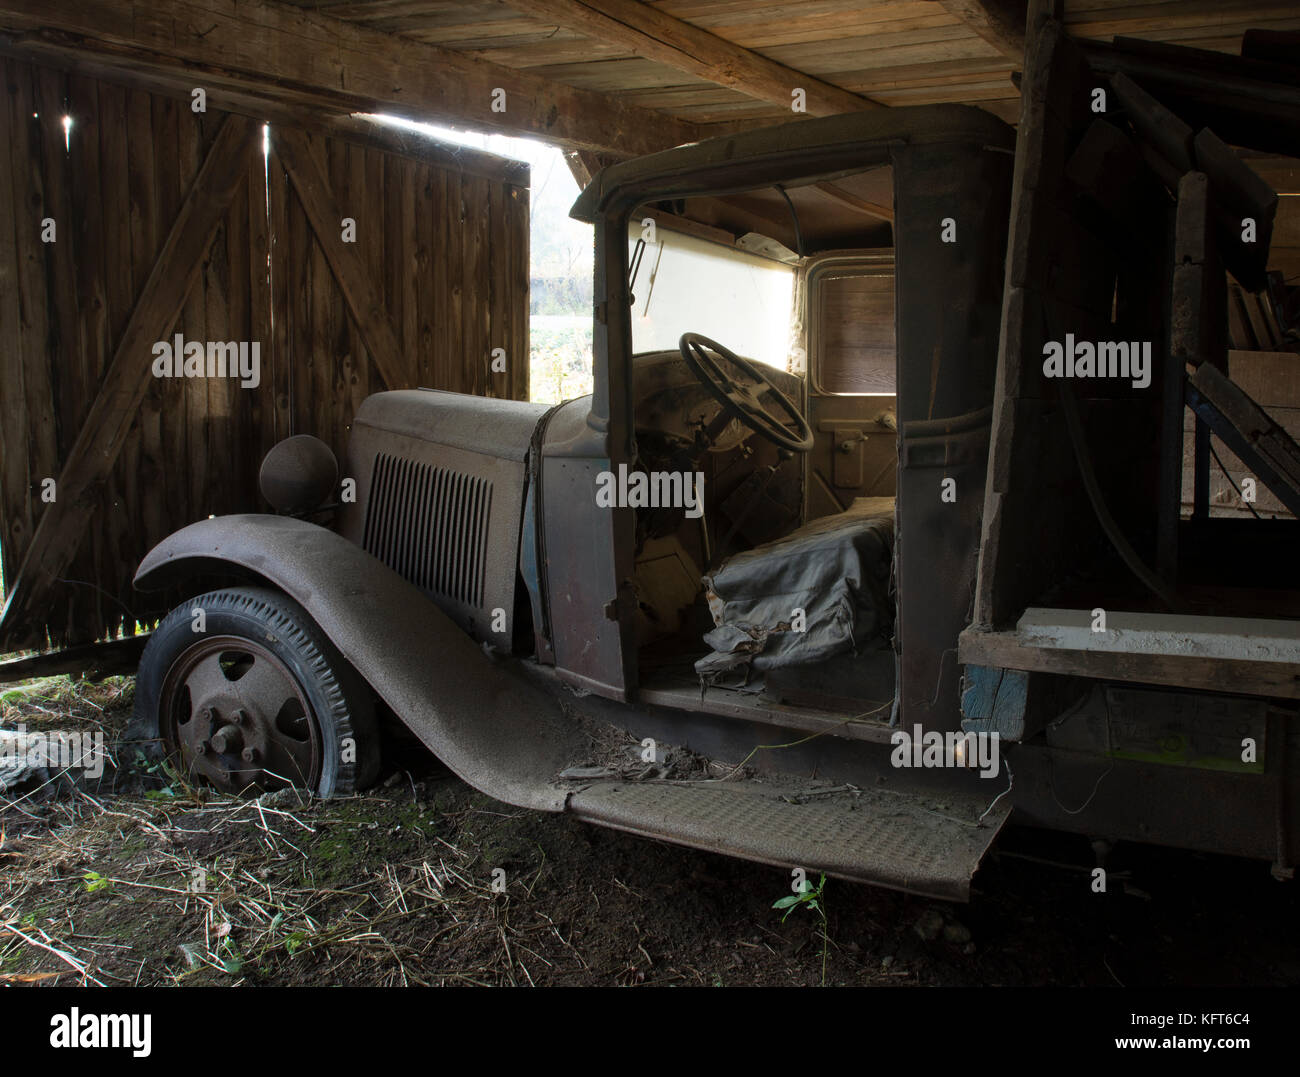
x,y
498,732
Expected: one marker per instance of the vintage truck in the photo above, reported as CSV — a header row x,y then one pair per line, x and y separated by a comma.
x,y
848,616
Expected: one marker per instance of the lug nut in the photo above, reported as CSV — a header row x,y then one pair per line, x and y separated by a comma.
x,y
250,755
227,739
240,717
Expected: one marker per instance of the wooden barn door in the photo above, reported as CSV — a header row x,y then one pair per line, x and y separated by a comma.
x,y
355,263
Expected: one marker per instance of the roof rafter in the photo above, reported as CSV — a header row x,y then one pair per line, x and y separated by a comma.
x,y
656,35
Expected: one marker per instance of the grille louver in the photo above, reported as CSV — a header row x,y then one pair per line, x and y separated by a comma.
x,y
430,525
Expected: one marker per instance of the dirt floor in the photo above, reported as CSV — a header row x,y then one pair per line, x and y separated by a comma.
x,y
139,879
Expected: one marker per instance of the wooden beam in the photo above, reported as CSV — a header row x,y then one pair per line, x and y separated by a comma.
x,y
847,198
658,36
584,165
246,51
1218,654
295,151
63,524
408,142
999,22
92,662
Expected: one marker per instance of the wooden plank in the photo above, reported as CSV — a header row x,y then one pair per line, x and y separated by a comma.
x,y
999,22
472,374
517,291
656,35
186,422
38,372
51,104
1162,657
15,511
262,402
92,346
305,171
437,243
281,268
109,200
498,306
1251,111
250,52
1239,193
337,347
369,168
403,256
1249,431
222,463
156,192
1050,77
298,308
320,362
246,460
60,530
449,360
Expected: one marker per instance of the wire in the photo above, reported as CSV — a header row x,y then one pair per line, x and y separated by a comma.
x,y
1070,406
1231,483
798,235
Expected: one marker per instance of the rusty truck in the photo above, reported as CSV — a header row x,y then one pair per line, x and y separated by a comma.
x,y
951,562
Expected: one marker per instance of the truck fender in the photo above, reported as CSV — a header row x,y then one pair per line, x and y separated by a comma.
x,y
500,733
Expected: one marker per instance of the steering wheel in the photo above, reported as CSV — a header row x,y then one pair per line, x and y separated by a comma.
x,y
740,395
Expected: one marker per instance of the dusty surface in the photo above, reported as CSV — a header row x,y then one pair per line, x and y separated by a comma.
x,y
156,883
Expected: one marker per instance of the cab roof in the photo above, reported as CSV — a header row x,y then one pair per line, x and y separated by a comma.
x,y
792,154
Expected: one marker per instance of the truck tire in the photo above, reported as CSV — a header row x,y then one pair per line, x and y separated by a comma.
x,y
242,690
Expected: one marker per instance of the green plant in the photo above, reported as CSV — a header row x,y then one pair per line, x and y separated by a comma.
x,y
812,898
177,785
95,881
232,961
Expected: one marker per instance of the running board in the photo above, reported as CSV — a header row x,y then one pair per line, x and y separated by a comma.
x,y
922,845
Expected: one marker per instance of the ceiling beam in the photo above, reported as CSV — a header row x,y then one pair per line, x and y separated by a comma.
x,y
999,22
256,51
658,36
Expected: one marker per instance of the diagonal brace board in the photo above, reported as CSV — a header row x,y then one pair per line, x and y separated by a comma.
x,y
1246,429
309,179
58,534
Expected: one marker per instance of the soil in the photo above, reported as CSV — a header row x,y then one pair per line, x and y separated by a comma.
x,y
139,879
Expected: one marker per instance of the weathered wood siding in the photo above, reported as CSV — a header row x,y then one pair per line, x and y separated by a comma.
x,y
443,237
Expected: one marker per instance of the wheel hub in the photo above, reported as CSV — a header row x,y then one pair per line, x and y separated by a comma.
x,y
236,717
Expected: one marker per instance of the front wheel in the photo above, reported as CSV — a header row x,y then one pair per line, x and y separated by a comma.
x,y
243,690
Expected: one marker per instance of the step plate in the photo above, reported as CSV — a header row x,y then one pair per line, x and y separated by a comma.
x,y
922,845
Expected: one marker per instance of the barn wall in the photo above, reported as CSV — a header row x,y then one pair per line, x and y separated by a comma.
x,y
444,246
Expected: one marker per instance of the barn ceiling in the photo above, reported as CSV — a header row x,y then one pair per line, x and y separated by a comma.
x,y
893,52
610,78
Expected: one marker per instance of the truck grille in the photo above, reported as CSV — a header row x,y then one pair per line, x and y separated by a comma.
x,y
430,525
